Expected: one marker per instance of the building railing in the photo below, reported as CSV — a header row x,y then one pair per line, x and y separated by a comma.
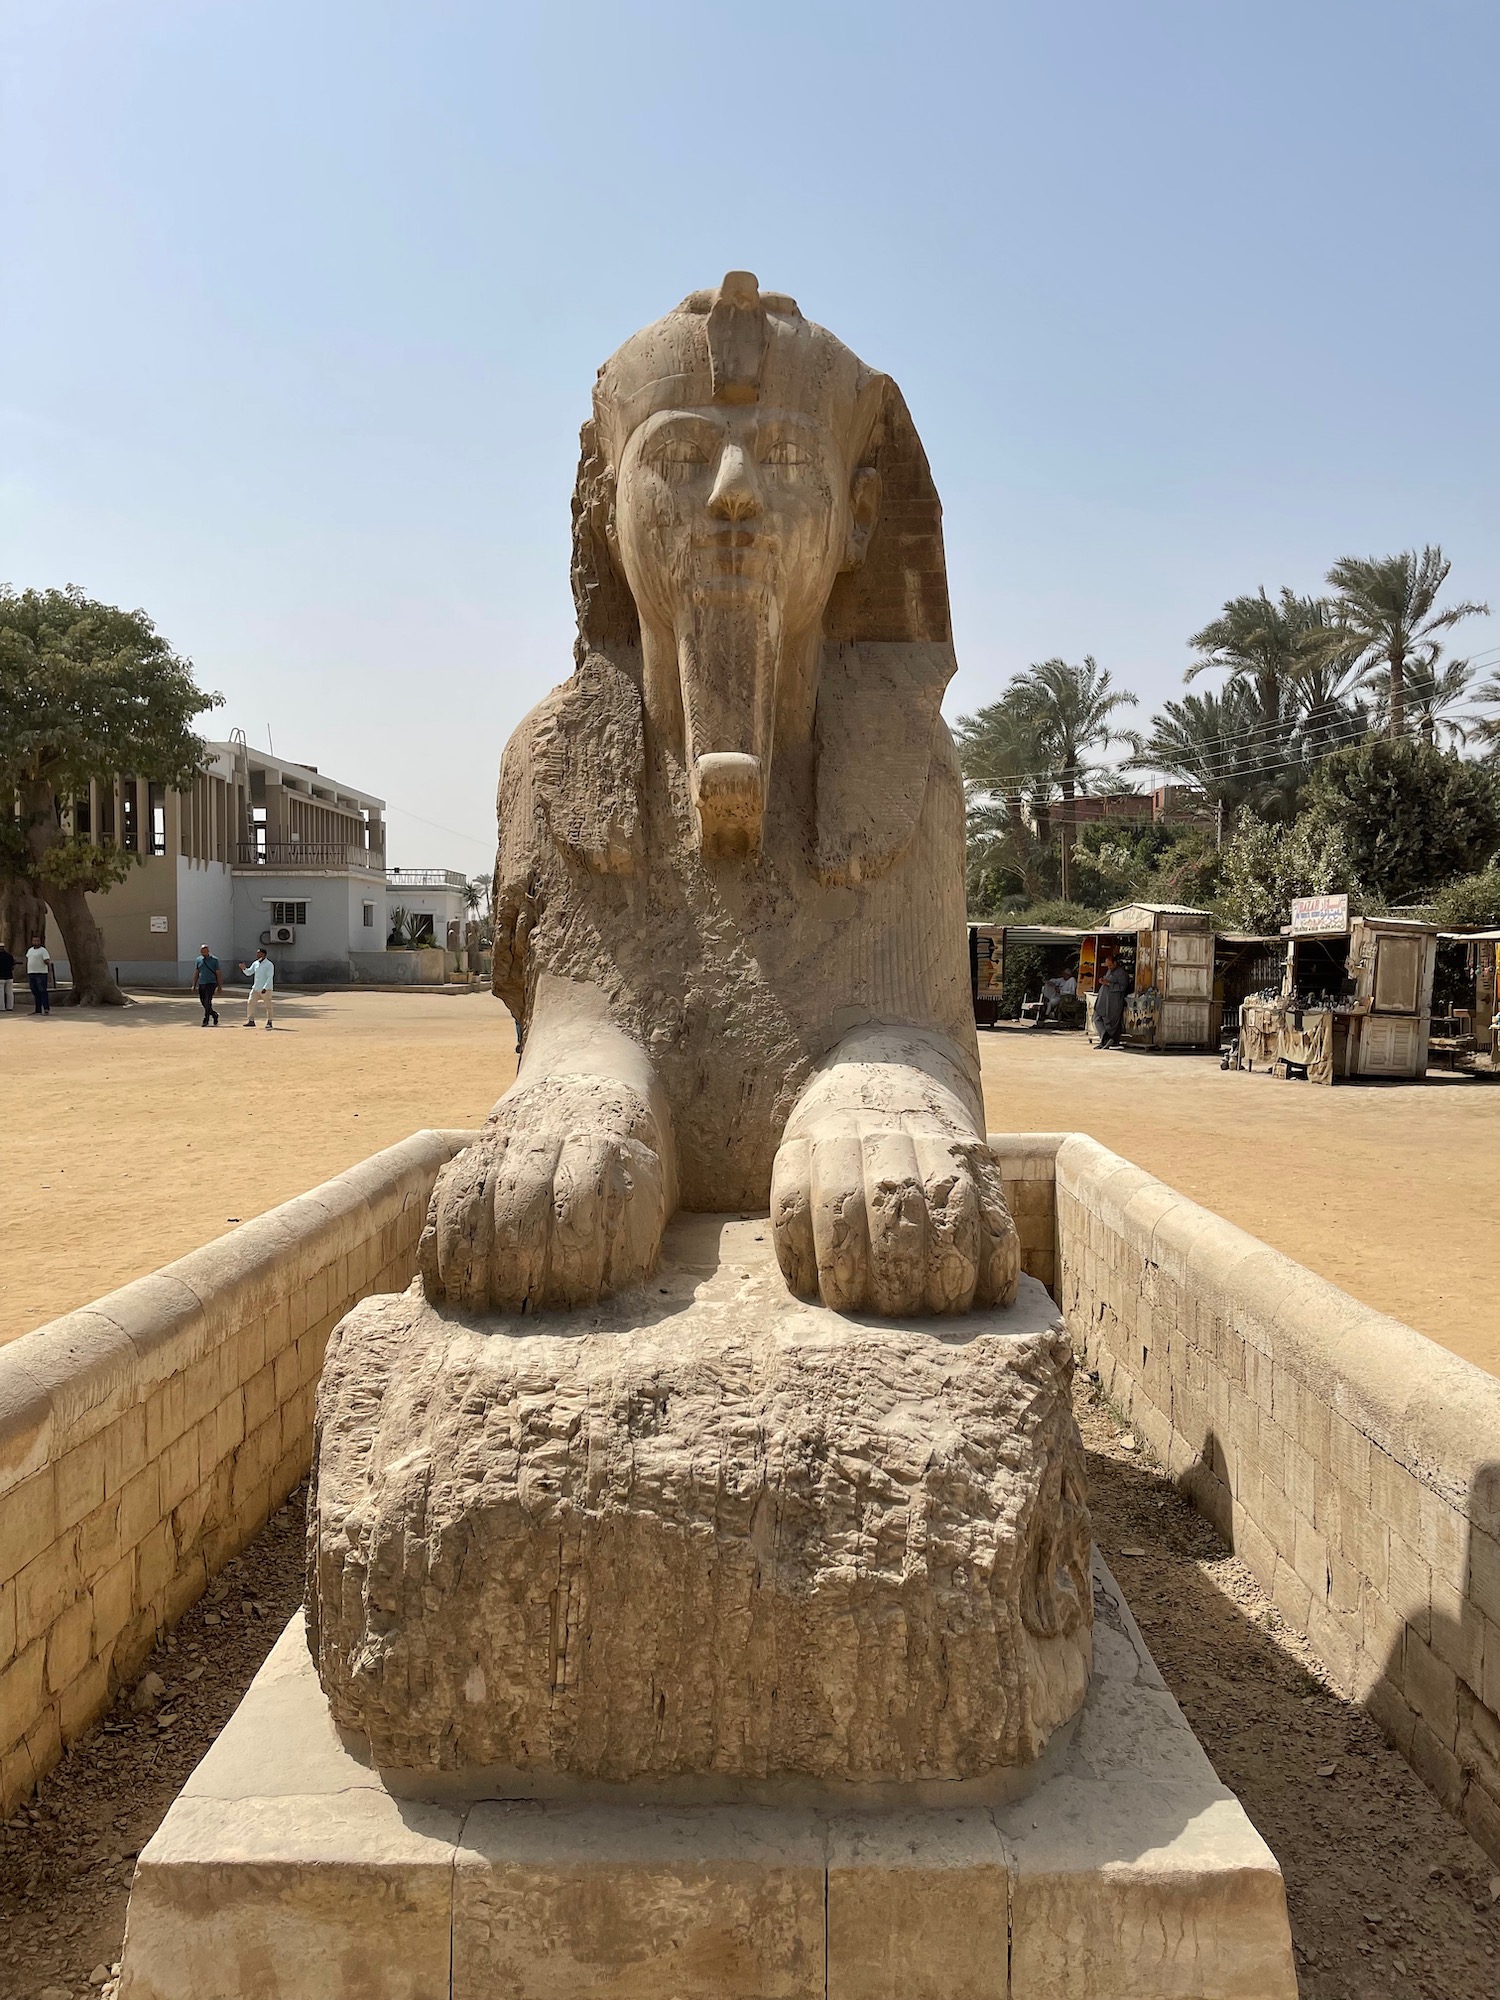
x,y
311,854
425,878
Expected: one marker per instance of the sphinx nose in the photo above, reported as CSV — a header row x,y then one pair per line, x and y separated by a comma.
x,y
734,497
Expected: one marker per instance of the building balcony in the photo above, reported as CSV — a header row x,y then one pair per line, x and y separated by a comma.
x,y
286,856
425,878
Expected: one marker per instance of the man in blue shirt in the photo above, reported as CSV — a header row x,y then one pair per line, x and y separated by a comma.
x,y
262,976
206,973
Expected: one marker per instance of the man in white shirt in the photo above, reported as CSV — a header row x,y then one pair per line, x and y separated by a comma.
x,y
38,967
262,976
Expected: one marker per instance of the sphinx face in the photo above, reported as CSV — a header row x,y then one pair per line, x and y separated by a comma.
x,y
731,524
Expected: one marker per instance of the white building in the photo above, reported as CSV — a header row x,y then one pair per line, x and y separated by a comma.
x,y
260,851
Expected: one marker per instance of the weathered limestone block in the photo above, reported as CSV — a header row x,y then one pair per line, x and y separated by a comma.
x,y
706,1532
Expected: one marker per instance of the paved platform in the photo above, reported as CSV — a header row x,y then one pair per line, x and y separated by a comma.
x,y
287,1870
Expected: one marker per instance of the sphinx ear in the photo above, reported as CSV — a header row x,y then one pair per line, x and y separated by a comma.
x,y
864,512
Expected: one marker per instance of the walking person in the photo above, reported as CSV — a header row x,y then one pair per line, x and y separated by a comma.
x,y
262,976
206,974
7,980
38,970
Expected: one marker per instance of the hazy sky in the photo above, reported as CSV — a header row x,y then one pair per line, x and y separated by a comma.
x,y
302,305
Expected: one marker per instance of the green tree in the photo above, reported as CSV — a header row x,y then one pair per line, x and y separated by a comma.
x,y
1209,740
1007,789
1263,645
1412,817
1434,694
1487,728
86,691
1387,607
1263,865
1071,711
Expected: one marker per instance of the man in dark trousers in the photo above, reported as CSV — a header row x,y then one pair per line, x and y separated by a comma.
x,y
7,980
206,973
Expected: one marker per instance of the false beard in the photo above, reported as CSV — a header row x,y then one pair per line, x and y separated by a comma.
x,y
728,654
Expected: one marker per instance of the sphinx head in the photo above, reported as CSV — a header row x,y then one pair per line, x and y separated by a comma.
x,y
733,483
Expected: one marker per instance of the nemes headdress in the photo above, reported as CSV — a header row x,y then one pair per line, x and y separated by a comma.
x,y
888,653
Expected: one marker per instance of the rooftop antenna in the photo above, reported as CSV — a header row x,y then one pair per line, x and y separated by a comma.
x,y
269,739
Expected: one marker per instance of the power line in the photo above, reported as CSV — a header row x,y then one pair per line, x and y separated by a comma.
x,y
1222,755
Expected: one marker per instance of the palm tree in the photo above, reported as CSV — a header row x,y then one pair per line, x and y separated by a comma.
x,y
1211,740
1002,761
1388,608
1262,644
1332,717
1069,709
1487,728
1432,693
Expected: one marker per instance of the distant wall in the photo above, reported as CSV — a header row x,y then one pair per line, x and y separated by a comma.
x,y
145,1439
1352,1463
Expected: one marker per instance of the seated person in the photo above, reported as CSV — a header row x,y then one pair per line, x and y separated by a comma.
x,y
1063,987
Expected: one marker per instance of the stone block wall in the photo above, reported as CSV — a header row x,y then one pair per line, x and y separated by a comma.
x,y
146,1438
1353,1464
1028,1164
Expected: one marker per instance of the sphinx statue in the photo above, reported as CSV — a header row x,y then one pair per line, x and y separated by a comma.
x,y
721,1444
729,898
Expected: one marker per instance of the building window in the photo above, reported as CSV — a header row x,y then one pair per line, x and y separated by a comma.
x,y
128,835
369,916
156,830
82,822
289,913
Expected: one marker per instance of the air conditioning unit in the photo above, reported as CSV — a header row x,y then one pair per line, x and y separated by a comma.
x,y
281,934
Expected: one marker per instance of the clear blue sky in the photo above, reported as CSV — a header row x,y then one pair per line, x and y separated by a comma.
x,y
302,304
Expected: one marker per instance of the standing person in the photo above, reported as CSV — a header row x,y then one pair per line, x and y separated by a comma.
x,y
262,976
206,974
7,980
38,967
1109,1005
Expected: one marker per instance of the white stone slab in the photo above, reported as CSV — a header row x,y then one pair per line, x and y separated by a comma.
x,y
287,1870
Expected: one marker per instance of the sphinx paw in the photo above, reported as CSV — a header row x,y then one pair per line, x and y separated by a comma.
x,y
893,1217
561,1202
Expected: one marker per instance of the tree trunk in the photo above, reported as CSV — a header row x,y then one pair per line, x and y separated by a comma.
x,y
93,982
23,913
1024,845
1066,839
1398,692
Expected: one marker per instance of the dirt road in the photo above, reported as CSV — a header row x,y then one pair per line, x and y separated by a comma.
x,y
131,1137
1391,1190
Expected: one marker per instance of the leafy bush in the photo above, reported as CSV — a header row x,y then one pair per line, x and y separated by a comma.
x,y
1472,902
1411,818
1265,865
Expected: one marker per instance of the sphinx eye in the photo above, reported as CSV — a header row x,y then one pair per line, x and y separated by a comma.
x,y
786,451
679,458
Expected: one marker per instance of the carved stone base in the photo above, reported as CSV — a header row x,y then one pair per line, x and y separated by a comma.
x,y
288,1870
705,1539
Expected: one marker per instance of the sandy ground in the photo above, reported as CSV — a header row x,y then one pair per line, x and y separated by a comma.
x,y
130,1137
1388,1895
1391,1190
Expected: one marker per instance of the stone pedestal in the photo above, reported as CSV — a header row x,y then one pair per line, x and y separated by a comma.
x,y
705,1538
289,1869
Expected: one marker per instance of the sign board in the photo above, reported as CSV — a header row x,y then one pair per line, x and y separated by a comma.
x,y
159,924
1312,915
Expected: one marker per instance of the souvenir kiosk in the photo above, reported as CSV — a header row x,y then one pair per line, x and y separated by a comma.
x,y
1355,999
